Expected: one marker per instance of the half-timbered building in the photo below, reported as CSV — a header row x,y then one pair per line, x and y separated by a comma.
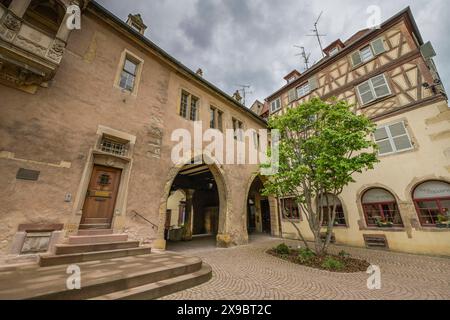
x,y
389,75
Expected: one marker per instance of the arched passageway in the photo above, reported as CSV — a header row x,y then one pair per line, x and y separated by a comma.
x,y
195,206
258,209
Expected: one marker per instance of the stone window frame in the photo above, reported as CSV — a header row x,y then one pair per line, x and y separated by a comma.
x,y
281,206
396,203
345,212
98,157
127,54
415,222
363,226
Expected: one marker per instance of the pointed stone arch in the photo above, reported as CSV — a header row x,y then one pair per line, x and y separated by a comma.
x,y
223,187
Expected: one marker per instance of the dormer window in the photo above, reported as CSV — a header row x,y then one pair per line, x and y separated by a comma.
x,y
136,23
334,51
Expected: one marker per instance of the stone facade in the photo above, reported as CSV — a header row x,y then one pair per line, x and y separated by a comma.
x,y
57,131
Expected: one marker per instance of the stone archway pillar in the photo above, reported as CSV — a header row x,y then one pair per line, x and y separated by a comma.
x,y
187,236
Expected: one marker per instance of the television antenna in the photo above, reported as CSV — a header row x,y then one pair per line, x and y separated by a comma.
x,y
305,56
317,34
244,89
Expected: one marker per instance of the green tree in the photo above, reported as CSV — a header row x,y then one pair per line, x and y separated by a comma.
x,y
322,145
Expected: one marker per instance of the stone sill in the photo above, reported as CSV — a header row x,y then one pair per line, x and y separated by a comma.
x,y
394,229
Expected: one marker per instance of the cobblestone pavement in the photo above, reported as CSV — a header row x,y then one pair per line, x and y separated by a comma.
x,y
248,273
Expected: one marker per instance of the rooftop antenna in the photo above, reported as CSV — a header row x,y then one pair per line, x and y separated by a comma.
x,y
317,34
244,89
305,56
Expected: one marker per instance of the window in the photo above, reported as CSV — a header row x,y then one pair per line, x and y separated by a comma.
x,y
375,48
189,106
303,90
373,89
212,120
256,139
194,107
237,128
393,138
184,104
380,207
220,120
112,146
290,209
327,203
275,105
432,201
216,116
128,76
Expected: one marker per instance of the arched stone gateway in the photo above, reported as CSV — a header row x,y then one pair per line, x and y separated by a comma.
x,y
223,191
260,212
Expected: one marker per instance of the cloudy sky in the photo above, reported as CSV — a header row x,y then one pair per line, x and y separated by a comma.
x,y
251,42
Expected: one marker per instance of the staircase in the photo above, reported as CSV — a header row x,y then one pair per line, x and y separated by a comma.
x,y
112,268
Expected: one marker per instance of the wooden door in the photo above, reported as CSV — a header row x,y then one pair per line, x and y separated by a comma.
x,y
98,209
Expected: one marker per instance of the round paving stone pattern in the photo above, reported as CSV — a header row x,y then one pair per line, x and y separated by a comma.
x,y
249,273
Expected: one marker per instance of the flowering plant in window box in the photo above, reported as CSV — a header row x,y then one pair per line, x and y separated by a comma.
x,y
443,222
384,224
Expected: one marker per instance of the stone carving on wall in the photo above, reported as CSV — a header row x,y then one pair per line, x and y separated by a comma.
x,y
57,50
12,23
9,28
155,134
30,45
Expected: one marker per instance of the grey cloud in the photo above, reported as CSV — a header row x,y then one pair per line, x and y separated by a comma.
x,y
251,41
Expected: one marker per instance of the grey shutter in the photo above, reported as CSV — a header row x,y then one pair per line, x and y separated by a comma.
x,y
313,83
427,50
356,58
292,95
378,46
365,92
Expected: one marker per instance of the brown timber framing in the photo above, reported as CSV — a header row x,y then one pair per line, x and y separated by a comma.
x,y
391,65
405,15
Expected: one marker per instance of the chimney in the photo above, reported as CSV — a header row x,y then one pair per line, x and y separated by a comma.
x,y
237,96
136,23
199,72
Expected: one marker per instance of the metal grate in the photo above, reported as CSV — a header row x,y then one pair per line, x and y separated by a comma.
x,y
113,147
376,241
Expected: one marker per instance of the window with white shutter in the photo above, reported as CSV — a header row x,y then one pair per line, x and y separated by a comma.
x,y
275,105
365,54
393,138
303,90
313,83
373,89
292,95
378,46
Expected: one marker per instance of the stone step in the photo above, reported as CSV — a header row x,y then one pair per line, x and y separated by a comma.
x,y
47,260
83,248
94,232
102,238
121,278
162,288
